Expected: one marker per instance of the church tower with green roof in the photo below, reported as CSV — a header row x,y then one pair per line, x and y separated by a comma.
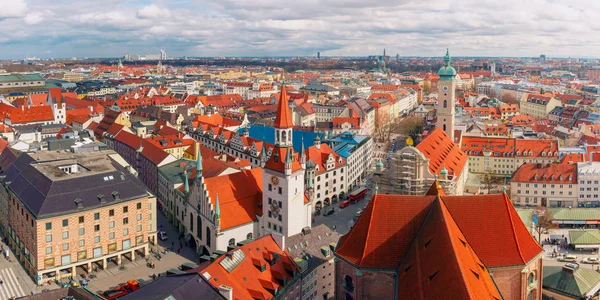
x,y
446,97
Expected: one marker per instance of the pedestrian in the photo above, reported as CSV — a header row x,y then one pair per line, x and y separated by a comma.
x,y
172,243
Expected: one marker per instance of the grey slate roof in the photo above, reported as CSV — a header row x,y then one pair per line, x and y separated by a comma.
x,y
177,287
48,192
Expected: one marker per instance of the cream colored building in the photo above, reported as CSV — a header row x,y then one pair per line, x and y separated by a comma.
x,y
549,185
501,156
538,106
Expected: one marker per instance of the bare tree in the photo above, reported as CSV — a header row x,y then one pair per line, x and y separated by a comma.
x,y
542,221
489,180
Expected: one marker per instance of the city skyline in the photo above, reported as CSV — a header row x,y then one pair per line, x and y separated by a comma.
x,y
265,28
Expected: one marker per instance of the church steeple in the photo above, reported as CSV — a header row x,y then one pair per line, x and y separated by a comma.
x,y
198,164
283,120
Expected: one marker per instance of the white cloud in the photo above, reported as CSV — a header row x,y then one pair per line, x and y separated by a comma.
x,y
33,18
12,8
275,27
153,11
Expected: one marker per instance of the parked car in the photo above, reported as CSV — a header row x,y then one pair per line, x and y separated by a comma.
x,y
591,260
163,236
568,258
344,203
358,213
329,212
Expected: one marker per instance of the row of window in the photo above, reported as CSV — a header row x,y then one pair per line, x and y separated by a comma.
x,y
111,213
97,252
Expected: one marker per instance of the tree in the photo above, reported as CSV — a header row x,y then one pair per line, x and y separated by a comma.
x,y
542,221
489,180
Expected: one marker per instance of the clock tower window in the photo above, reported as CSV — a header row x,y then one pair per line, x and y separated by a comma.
x,y
445,103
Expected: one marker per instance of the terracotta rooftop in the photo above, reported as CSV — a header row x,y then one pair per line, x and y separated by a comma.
x,y
246,278
383,235
442,152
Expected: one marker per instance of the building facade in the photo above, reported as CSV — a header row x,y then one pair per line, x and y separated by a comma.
x,y
69,210
549,185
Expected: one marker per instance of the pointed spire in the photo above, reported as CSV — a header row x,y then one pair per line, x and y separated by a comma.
x,y
217,207
283,118
302,154
447,58
263,152
186,187
198,164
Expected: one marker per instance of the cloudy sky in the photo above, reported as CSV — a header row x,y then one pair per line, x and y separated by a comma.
x,y
110,28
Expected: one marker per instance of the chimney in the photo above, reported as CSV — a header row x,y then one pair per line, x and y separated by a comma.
x,y
226,291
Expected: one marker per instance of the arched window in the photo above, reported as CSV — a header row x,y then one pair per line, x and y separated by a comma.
x,y
444,127
231,242
530,278
445,103
191,222
199,227
207,237
249,236
348,283
284,137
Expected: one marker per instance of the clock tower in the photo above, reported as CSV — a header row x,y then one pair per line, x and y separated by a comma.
x,y
446,97
283,209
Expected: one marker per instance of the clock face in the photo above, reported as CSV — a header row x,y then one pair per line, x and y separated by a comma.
x,y
445,88
274,180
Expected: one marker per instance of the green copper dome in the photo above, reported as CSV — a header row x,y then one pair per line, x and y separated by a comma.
x,y
447,71
444,171
379,164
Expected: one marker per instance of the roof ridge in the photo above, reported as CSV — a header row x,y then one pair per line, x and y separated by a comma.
x,y
512,226
417,234
472,252
452,246
368,228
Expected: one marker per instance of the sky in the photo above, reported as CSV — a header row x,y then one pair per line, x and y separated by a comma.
x,y
110,28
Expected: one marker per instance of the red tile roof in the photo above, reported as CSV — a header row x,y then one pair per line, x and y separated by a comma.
x,y
339,121
546,173
240,195
277,160
383,235
442,152
510,147
247,281
494,229
320,157
26,114
149,151
283,119
441,259
215,120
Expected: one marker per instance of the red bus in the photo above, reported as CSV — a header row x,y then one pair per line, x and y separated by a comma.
x,y
357,195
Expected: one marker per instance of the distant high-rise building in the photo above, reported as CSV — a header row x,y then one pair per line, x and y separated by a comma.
x,y
126,56
163,54
397,57
543,57
318,55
